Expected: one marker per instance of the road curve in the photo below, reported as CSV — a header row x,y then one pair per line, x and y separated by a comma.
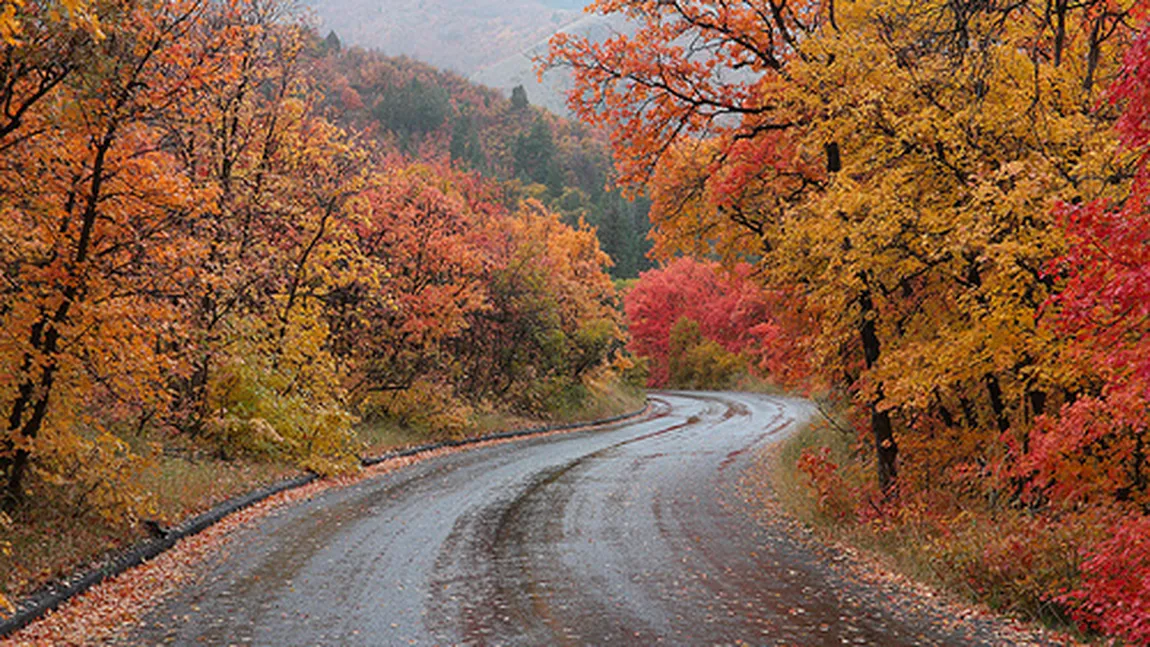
x,y
633,534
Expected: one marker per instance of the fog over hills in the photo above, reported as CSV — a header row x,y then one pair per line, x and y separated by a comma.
x,y
490,41
518,68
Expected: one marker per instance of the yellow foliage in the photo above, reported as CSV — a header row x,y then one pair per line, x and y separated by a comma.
x,y
698,363
281,398
893,162
99,475
5,550
78,13
425,406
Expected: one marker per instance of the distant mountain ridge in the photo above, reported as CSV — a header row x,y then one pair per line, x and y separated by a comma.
x,y
459,36
490,41
519,68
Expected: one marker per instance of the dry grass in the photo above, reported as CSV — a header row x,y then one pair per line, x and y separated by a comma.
x,y
612,401
51,540
381,435
183,487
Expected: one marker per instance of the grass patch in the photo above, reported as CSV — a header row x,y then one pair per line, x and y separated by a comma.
x,y
380,435
750,383
186,486
612,400
54,539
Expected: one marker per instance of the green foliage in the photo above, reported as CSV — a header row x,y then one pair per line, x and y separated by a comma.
x,y
331,43
535,158
519,98
414,109
634,372
623,226
258,411
696,362
465,146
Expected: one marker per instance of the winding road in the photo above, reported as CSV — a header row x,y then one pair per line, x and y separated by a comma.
x,y
636,534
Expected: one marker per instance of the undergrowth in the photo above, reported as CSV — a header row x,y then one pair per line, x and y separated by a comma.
x,y
57,536
1016,561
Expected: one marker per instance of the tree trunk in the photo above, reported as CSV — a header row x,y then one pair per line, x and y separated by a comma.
x,y
886,449
32,402
31,406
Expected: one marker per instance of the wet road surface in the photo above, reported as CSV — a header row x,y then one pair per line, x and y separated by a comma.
x,y
629,535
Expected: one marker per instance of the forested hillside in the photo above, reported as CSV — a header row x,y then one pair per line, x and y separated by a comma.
x,y
946,202
227,243
431,114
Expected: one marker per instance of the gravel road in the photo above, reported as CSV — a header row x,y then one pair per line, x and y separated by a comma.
x,y
631,535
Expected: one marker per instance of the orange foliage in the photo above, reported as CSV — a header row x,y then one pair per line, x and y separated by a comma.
x,y
191,244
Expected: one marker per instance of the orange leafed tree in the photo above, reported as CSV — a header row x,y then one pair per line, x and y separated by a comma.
x,y
199,246
423,229
549,332
94,206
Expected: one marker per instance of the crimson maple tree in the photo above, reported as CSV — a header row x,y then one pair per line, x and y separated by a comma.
x,y
1095,450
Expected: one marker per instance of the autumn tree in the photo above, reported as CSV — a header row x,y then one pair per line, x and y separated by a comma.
x,y
423,229
288,180
1099,445
107,306
730,312
1094,452
549,333
94,255
887,164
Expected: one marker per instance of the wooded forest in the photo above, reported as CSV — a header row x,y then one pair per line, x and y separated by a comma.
x,y
945,209
224,235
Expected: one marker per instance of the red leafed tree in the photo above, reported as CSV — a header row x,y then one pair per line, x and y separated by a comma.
x,y
423,230
1096,451
1106,308
729,308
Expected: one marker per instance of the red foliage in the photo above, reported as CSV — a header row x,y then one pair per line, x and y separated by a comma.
x,y
730,309
1096,449
834,496
1098,445
1114,593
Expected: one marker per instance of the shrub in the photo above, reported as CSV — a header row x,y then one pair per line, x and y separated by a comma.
x,y
831,491
428,408
1113,595
698,363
